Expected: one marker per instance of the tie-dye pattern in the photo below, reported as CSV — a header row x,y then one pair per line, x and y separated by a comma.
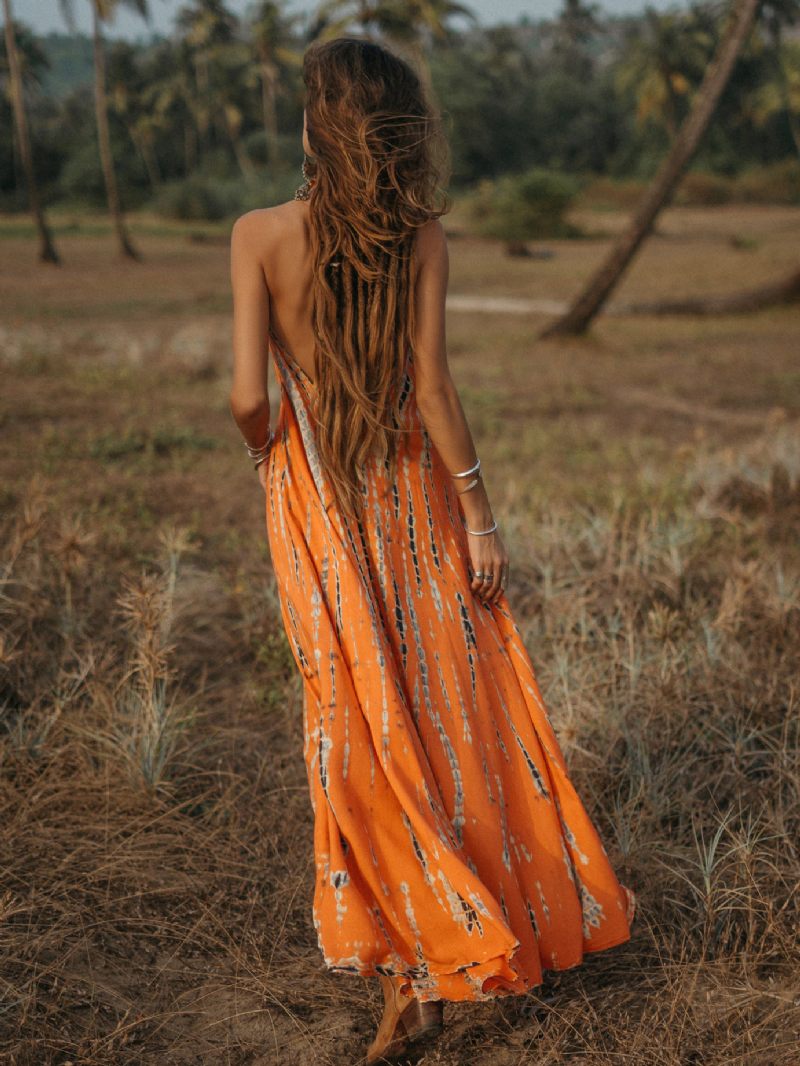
x,y
450,844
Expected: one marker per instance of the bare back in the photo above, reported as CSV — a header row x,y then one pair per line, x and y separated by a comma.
x,y
284,250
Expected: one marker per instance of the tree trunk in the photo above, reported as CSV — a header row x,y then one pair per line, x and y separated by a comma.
x,y
783,79
144,147
784,291
420,59
189,148
270,112
104,140
47,250
600,285
239,151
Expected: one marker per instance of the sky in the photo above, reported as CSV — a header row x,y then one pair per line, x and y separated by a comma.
x,y
45,15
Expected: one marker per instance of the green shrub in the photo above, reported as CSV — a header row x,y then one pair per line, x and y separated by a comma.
x,y
193,200
775,184
703,189
209,199
524,206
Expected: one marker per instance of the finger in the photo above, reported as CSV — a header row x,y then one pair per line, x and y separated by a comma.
x,y
487,584
494,585
477,579
501,583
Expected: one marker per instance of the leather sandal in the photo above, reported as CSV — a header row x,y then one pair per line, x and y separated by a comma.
x,y
423,1020
406,1025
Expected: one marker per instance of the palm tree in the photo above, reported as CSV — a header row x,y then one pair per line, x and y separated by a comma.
x,y
170,97
575,28
127,94
410,24
663,56
47,250
223,70
271,33
785,95
103,11
205,26
688,140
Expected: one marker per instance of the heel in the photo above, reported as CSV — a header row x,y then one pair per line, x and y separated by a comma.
x,y
423,1021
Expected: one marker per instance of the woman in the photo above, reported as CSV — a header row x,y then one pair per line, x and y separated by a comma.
x,y
454,859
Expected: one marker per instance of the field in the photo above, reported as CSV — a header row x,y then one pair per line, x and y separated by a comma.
x,y
156,828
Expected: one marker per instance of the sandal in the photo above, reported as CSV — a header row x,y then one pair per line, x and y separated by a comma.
x,y
406,1025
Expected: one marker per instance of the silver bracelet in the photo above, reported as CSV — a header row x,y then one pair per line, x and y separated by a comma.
x,y
472,470
260,453
472,484
481,532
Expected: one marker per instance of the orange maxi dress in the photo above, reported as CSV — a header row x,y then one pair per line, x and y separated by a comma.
x,y
449,842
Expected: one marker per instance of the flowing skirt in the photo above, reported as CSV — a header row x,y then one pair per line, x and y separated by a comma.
x,y
449,842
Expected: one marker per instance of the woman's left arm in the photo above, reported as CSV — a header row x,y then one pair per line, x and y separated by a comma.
x,y
249,395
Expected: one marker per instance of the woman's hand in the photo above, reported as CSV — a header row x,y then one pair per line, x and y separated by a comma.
x,y
488,556
261,470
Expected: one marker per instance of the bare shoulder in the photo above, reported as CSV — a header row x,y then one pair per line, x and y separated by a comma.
x,y
262,227
431,237
430,251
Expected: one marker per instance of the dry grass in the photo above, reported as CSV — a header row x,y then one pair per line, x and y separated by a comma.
x,y
156,831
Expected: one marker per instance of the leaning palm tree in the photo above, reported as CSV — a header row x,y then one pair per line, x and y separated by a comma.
x,y
102,11
47,249
685,146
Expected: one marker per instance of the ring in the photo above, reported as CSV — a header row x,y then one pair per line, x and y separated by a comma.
x,y
478,573
488,577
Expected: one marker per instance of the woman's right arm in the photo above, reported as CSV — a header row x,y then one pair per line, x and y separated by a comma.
x,y
440,406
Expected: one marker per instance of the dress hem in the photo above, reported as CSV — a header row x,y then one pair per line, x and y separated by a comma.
x,y
471,981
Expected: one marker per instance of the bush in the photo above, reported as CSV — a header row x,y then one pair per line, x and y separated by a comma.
x,y
703,189
194,199
775,184
524,206
778,183
205,198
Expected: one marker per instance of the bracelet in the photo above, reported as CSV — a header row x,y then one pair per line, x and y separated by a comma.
x,y
472,470
260,453
481,532
472,484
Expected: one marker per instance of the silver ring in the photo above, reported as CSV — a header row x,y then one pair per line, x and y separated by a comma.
x,y
478,573
488,577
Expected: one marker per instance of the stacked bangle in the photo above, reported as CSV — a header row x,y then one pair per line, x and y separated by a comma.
x,y
476,470
260,454
482,532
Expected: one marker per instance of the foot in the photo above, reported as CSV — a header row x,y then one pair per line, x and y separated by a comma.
x,y
423,1021
391,1038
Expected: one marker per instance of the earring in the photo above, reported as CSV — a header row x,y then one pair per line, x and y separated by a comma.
x,y
302,191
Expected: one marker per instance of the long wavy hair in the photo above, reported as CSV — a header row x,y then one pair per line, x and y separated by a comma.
x,y
379,159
